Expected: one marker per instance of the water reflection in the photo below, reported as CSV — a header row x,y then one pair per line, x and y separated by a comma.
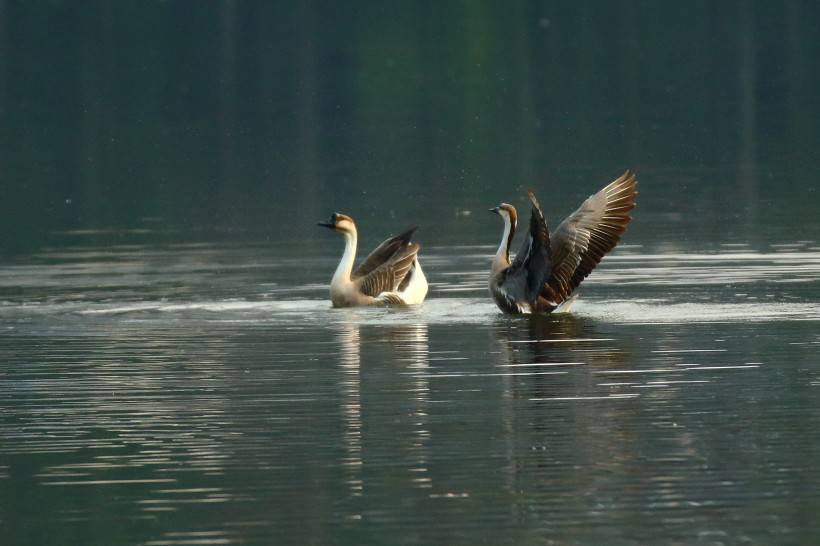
x,y
413,352
405,351
554,356
349,338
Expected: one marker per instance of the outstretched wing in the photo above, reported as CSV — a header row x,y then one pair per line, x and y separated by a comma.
x,y
584,237
527,274
388,276
383,253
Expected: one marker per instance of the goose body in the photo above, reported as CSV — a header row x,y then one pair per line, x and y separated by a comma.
x,y
390,275
547,270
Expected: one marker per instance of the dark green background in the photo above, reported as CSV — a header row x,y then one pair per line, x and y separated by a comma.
x,y
254,119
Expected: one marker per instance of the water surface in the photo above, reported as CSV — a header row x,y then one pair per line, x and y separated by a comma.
x,y
208,394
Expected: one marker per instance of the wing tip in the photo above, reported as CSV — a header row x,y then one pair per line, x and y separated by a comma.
x,y
630,177
623,186
407,234
533,200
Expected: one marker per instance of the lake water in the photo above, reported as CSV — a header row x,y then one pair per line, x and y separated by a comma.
x,y
208,394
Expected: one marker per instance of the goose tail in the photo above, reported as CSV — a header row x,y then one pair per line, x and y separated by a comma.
x,y
416,289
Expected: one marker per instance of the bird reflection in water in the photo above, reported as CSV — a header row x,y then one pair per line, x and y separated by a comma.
x,y
561,415
412,349
349,338
408,347
545,350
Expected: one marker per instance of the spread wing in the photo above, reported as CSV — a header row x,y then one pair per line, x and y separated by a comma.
x,y
383,253
526,276
388,276
585,236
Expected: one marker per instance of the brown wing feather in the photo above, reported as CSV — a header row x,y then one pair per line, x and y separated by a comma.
x,y
583,238
388,276
383,253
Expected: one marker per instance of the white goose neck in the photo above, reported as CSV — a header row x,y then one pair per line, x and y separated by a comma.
x,y
502,255
345,267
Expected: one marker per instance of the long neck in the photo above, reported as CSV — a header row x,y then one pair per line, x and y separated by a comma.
x,y
342,274
502,256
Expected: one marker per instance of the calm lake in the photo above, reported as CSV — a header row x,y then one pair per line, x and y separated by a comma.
x,y
208,394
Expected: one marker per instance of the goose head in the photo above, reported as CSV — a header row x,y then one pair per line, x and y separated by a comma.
x,y
341,223
507,212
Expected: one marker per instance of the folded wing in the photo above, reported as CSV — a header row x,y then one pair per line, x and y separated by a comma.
x,y
386,267
383,253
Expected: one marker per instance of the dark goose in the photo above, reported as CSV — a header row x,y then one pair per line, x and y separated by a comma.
x,y
549,267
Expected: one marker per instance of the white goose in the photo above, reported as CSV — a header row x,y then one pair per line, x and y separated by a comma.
x,y
548,269
390,275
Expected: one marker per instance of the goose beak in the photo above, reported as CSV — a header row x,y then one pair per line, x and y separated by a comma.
x,y
495,209
328,223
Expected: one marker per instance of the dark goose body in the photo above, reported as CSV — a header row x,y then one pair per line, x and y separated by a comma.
x,y
549,267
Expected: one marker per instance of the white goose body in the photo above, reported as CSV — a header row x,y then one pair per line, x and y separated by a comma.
x,y
390,275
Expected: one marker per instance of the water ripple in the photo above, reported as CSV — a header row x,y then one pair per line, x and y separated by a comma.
x,y
190,396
